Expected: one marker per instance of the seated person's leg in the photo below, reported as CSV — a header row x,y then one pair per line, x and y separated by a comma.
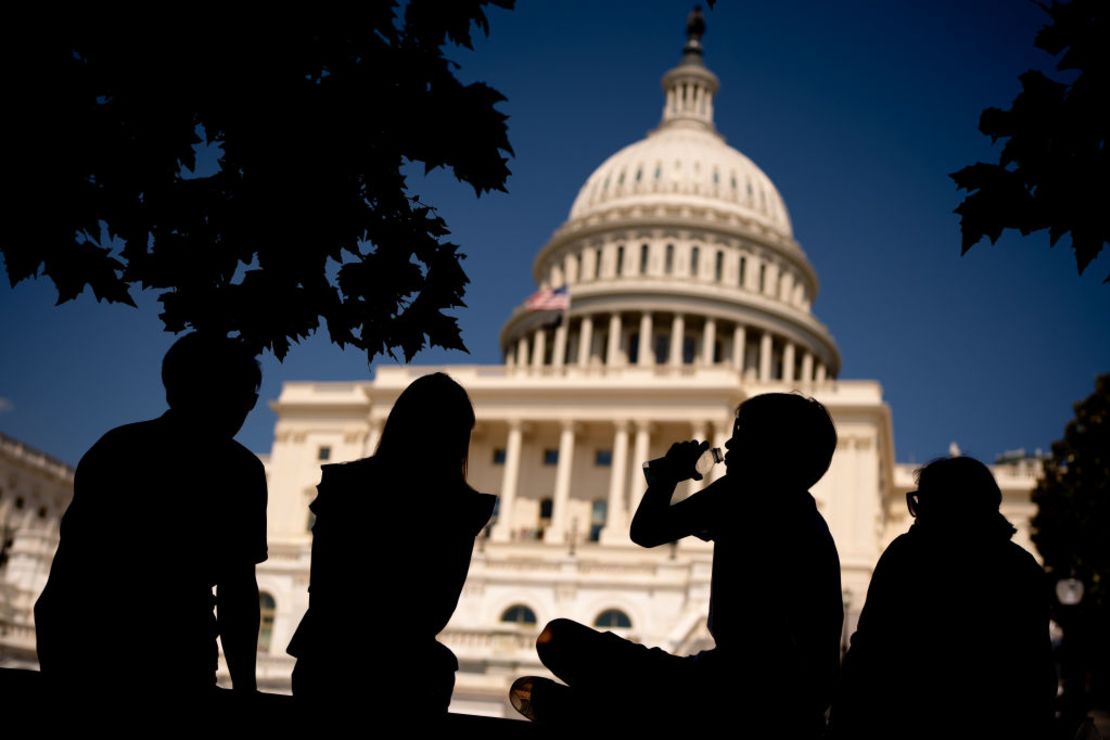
x,y
606,670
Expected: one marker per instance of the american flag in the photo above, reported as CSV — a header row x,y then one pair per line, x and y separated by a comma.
x,y
549,299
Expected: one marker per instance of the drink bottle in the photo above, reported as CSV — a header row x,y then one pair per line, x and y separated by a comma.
x,y
702,466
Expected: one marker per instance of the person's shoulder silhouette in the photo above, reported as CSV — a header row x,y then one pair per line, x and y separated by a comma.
x,y
163,511
413,490
955,626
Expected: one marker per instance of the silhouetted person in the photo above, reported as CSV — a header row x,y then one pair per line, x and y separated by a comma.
x,y
163,511
953,639
391,547
775,607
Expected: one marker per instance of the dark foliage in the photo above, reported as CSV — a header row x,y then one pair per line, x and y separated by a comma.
x,y
308,218
1054,169
1072,525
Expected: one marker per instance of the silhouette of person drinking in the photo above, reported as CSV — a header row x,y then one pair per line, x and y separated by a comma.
x,y
953,640
163,511
775,607
391,547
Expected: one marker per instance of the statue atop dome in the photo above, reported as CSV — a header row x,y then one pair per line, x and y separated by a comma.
x,y
695,29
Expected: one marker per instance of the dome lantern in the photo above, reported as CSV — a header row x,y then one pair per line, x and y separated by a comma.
x,y
689,88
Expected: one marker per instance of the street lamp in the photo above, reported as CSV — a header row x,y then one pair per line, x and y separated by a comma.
x,y
1069,591
1069,594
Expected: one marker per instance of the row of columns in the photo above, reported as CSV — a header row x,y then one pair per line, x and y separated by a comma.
x,y
531,349
626,485
746,271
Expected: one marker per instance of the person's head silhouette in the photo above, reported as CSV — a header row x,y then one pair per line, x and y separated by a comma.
x,y
430,422
956,493
211,383
782,437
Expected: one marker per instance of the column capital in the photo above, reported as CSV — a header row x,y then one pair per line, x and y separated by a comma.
x,y
622,425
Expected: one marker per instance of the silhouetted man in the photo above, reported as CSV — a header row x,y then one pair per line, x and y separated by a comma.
x,y
953,639
775,607
163,511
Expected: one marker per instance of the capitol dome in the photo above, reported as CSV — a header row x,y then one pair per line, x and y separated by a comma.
x,y
678,251
682,166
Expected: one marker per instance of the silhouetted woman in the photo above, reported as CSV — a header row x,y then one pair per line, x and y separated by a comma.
x,y
391,547
953,639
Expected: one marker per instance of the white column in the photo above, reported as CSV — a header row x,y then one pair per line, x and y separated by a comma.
x,y
771,280
638,484
510,358
617,516
678,329
765,357
539,348
522,352
560,350
821,372
570,269
373,434
585,340
709,341
502,531
787,293
788,362
560,517
739,340
807,367
589,265
647,355
613,353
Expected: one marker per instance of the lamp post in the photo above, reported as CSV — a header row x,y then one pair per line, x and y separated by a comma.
x,y
1069,594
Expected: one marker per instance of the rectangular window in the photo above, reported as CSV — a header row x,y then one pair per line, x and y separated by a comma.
x,y
546,507
551,457
599,511
662,348
603,458
499,456
323,454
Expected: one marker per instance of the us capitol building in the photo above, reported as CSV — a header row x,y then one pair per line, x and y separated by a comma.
x,y
688,294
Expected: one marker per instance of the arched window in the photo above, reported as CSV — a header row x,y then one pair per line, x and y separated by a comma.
x,y
668,262
518,614
743,264
643,259
695,256
719,266
597,263
267,610
613,618
620,261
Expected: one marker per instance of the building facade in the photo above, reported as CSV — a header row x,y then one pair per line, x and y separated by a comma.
x,y
688,294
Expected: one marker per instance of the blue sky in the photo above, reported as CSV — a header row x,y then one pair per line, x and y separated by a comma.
x,y
856,110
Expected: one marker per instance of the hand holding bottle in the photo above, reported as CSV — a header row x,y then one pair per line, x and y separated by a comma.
x,y
684,461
